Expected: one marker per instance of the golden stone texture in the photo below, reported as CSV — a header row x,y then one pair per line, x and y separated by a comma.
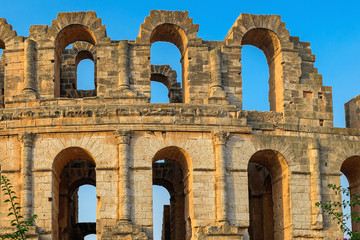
x,y
231,173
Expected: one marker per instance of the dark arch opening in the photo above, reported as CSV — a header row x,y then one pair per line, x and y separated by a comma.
x,y
269,43
268,181
72,168
170,173
66,36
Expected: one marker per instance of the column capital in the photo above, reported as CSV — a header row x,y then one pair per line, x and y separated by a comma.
x,y
123,136
27,138
220,137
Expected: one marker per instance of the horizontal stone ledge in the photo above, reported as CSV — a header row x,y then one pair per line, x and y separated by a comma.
x,y
300,172
106,168
9,171
42,170
235,170
204,169
102,128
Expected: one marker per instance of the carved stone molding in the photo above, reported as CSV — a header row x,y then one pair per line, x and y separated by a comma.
x,y
123,136
220,137
27,139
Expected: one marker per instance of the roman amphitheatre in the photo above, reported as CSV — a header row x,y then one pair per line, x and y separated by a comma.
x,y
231,173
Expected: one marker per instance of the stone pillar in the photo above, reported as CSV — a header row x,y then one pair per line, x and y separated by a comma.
x,y
123,77
27,140
29,68
123,141
216,88
219,139
315,188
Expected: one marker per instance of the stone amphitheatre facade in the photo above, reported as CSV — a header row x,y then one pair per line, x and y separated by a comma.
x,y
231,173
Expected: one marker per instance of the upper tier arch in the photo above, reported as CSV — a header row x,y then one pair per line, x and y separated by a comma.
x,y
171,26
88,20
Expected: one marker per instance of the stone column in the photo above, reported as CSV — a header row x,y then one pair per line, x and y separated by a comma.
x,y
219,140
29,68
315,188
123,141
216,88
123,77
27,140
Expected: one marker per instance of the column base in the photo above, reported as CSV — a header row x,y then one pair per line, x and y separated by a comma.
x,y
221,231
123,230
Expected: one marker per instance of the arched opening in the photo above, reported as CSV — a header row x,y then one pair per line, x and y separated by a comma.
x,y
171,173
163,79
159,93
78,71
268,196
84,77
269,43
165,39
66,36
73,168
2,72
351,169
254,70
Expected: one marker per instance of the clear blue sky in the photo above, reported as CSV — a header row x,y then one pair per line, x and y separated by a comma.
x,y
331,27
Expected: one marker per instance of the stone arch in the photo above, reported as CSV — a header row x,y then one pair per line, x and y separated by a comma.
x,y
274,221
72,166
70,154
175,154
71,27
70,59
167,76
269,34
171,174
171,26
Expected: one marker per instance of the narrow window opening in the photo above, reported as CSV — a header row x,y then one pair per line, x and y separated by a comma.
x,y
85,75
255,75
167,70
87,203
320,95
161,202
78,70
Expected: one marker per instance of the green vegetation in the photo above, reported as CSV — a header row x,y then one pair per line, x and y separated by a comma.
x,y
18,223
335,210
